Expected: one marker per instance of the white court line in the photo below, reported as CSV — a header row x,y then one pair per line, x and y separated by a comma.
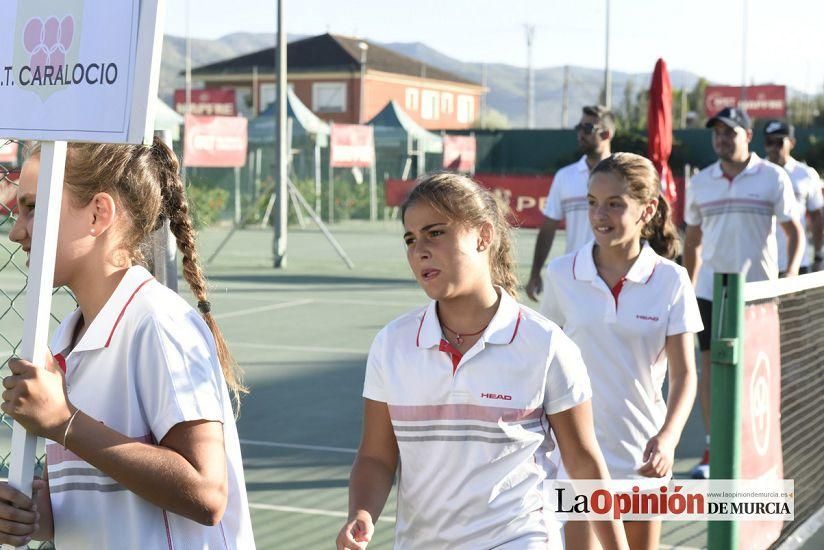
x,y
286,347
677,547
310,511
270,307
375,303
409,304
255,443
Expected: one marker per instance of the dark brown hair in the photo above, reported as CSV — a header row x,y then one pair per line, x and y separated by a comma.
x,y
462,200
605,117
144,181
644,184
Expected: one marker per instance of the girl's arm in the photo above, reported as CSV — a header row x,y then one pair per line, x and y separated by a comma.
x,y
373,473
185,475
583,460
659,454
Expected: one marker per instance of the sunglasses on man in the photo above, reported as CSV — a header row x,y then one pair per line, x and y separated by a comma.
x,y
587,128
774,141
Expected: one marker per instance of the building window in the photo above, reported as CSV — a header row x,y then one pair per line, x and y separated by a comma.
x,y
329,97
411,99
447,103
466,109
430,105
268,94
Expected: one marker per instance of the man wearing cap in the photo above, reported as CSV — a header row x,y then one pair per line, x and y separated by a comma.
x,y
779,141
731,211
567,199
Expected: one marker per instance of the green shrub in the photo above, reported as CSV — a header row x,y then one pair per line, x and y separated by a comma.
x,y
206,202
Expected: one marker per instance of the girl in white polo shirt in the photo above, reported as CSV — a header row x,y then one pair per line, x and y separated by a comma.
x,y
633,313
460,395
137,406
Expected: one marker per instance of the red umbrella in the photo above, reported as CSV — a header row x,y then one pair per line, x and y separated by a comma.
x,y
659,131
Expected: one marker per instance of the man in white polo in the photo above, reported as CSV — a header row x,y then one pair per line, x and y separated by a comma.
x,y
731,211
567,199
779,141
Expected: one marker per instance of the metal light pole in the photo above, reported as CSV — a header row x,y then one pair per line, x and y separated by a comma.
x,y
363,48
607,75
281,197
530,78
188,85
744,25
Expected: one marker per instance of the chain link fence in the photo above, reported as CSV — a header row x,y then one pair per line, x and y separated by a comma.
x,y
13,278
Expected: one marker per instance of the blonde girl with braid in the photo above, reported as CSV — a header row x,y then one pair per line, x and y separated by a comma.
x,y
460,394
137,404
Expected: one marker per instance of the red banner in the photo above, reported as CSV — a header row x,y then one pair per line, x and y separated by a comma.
x,y
459,153
215,142
526,195
352,145
8,151
207,102
761,451
768,101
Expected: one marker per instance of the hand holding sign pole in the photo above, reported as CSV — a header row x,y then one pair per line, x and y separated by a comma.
x,y
50,91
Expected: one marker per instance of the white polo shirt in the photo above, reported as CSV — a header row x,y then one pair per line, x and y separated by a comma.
x,y
567,200
473,436
738,220
807,189
146,363
622,338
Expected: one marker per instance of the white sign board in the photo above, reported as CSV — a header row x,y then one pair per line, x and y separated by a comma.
x,y
78,70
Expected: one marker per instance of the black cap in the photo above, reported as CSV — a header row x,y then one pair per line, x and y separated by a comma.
x,y
732,117
779,128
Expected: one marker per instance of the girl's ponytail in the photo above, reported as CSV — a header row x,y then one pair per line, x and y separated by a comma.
x,y
660,231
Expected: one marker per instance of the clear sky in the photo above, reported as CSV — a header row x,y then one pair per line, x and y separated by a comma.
x,y
785,43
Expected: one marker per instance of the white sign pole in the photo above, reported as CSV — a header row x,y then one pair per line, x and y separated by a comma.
x,y
39,296
88,102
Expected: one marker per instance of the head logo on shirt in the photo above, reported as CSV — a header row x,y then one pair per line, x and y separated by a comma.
x,y
496,396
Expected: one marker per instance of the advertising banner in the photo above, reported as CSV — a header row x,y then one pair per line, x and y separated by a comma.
x,y
215,141
761,102
525,194
352,145
761,450
207,102
459,153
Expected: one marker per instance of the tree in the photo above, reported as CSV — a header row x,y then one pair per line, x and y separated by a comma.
x,y
632,113
491,119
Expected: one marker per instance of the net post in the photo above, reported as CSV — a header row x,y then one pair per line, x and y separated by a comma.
x,y
726,394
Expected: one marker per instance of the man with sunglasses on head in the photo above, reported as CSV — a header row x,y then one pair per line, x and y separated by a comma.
x,y
779,141
567,199
731,211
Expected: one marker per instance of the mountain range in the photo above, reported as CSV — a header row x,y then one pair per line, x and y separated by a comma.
x,y
506,83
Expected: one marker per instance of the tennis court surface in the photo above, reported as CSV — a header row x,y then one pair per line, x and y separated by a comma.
x,y
302,335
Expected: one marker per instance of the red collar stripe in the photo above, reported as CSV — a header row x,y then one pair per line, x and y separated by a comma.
x,y
517,324
122,311
418,338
